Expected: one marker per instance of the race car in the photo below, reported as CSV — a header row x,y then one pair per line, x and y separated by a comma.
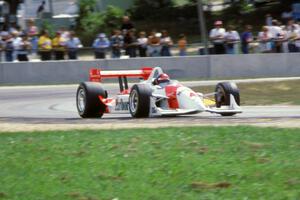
x,y
155,95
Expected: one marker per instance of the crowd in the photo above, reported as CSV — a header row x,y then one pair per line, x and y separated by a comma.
x,y
274,37
17,44
133,44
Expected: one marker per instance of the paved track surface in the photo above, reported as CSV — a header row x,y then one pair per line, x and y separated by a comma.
x,y
53,107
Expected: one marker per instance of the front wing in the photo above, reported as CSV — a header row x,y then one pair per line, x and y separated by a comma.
x,y
232,108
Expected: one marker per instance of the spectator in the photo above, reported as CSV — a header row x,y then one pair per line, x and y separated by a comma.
x,y
182,42
142,43
127,24
14,27
217,37
293,39
276,32
117,41
9,48
59,46
101,44
32,32
246,38
264,39
292,25
130,44
285,48
72,45
16,41
154,46
280,39
23,48
232,38
65,33
166,43
45,45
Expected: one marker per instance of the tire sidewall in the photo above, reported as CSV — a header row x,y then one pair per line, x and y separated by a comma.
x,y
227,89
93,106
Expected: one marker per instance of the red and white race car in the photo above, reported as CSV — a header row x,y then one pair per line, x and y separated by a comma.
x,y
155,95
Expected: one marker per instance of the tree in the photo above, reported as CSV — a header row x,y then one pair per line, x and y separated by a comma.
x,y
91,22
145,9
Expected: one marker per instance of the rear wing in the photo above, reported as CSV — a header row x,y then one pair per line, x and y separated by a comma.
x,y
96,75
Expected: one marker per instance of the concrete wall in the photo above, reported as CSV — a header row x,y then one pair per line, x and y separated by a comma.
x,y
215,66
255,65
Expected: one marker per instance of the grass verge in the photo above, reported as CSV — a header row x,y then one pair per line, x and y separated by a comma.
x,y
265,93
171,163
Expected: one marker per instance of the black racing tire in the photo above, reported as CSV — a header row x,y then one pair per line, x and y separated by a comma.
x,y
139,101
87,100
222,96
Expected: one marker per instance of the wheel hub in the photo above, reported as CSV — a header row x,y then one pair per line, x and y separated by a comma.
x,y
81,98
133,101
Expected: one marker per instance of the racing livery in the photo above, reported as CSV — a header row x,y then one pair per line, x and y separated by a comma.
x,y
155,95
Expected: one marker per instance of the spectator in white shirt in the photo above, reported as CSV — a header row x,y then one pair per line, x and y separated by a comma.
x,y
293,37
285,48
217,35
277,35
142,44
16,43
232,38
264,39
23,47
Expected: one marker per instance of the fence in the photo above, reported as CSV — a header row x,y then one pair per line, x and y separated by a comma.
x,y
190,67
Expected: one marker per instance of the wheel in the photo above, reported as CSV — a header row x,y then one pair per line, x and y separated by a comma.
x,y
222,96
139,101
87,100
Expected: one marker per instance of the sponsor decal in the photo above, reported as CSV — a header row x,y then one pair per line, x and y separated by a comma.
x,y
121,105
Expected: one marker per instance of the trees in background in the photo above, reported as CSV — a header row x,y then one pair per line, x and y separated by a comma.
x,y
151,9
91,22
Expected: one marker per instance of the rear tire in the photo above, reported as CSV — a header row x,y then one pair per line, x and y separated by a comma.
x,y
222,96
88,102
139,101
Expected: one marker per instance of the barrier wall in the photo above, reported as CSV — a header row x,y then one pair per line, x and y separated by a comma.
x,y
214,66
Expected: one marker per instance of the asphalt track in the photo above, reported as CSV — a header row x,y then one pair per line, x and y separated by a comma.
x,y
53,107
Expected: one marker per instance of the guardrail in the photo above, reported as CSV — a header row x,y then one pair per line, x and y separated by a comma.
x,y
190,67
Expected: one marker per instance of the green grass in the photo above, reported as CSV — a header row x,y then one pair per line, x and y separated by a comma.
x,y
171,163
265,93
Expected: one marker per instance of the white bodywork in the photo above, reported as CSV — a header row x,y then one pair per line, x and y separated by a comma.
x,y
189,102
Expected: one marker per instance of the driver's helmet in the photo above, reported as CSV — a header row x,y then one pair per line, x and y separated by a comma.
x,y
162,78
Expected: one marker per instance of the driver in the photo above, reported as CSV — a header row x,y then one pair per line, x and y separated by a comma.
x,y
162,79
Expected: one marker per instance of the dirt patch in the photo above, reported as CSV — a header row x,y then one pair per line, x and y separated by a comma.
x,y
153,123
203,185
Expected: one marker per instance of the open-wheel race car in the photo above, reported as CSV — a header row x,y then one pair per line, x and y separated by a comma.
x,y
155,95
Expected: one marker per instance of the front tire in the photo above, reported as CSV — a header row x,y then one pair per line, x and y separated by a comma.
x,y
139,101
222,96
88,102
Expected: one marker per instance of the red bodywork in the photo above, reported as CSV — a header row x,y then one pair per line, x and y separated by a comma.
x,y
171,93
96,75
